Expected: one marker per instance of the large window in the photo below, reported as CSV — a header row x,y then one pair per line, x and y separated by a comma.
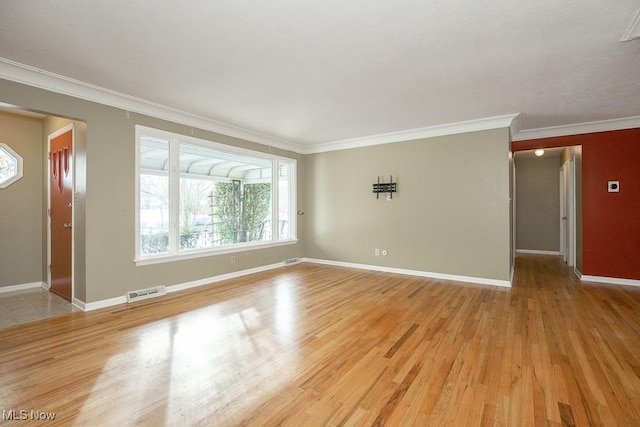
x,y
196,196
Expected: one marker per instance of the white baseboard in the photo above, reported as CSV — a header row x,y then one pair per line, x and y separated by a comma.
x,y
537,252
610,280
221,277
90,306
23,286
466,279
209,280
577,273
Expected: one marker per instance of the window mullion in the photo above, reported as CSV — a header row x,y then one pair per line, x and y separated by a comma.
x,y
174,196
275,204
293,200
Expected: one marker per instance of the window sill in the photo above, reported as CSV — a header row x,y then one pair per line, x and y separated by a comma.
x,y
160,259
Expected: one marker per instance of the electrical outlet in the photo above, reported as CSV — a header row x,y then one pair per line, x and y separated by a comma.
x,y
384,252
233,259
377,252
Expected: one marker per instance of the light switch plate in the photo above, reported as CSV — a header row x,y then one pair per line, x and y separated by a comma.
x,y
614,186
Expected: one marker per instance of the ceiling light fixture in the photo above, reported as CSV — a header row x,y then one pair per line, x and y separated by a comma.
x,y
539,152
633,32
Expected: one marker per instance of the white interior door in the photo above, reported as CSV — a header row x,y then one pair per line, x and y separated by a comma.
x,y
567,213
571,213
563,211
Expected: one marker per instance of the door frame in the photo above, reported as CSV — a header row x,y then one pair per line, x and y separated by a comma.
x,y
568,211
51,136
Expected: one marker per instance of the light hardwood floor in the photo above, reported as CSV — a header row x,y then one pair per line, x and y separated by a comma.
x,y
315,345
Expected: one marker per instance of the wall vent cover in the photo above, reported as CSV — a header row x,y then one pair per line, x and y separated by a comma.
x,y
143,294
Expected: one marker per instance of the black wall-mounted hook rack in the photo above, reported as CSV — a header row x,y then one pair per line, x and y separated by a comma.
x,y
385,187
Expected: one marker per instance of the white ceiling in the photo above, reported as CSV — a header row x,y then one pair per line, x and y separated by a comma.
x,y
315,72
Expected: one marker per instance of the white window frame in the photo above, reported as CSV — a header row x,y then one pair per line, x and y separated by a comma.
x,y
18,159
174,253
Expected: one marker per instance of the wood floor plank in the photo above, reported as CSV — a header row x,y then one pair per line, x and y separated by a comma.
x,y
317,345
566,414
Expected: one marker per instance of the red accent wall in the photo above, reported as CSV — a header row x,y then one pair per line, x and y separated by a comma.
x,y
611,221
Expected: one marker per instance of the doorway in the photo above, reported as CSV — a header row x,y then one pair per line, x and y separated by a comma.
x,y
549,203
60,211
568,211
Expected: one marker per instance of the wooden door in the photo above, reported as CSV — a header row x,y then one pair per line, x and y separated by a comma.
x,y
61,211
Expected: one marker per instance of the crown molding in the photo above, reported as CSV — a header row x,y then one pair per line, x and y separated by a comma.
x,y
515,127
633,31
31,76
578,129
488,123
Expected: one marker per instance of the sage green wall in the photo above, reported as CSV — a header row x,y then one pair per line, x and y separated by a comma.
x,y
451,214
109,207
538,202
21,204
